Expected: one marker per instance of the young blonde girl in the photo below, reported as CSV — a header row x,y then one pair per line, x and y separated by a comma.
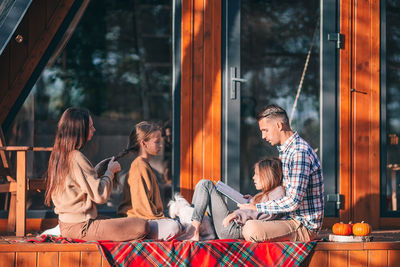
x,y
75,188
267,178
142,197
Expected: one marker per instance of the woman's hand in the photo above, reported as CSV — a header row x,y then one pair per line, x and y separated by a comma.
x,y
114,166
228,219
249,197
249,206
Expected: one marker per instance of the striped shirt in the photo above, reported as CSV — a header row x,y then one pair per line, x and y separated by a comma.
x,y
303,181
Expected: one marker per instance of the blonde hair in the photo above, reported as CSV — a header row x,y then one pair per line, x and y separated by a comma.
x,y
270,171
143,131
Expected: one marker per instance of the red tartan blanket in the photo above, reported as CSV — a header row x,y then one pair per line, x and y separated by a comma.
x,y
189,253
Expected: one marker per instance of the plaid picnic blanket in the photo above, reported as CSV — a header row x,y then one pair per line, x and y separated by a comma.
x,y
190,253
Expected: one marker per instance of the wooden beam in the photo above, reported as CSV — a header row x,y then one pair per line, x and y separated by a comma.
x,y
21,193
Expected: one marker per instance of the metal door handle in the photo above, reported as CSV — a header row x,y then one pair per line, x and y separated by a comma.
x,y
234,79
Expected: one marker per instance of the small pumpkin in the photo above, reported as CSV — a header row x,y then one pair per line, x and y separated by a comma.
x,y
361,229
341,229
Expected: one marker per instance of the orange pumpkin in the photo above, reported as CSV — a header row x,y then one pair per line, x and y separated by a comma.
x,y
362,229
341,229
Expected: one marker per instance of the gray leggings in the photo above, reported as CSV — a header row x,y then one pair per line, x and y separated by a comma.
x,y
206,197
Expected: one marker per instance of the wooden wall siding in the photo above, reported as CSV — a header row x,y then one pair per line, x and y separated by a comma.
x,y
200,93
356,254
325,254
19,60
359,110
51,255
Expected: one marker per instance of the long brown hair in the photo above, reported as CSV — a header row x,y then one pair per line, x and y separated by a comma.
x,y
72,134
143,131
270,171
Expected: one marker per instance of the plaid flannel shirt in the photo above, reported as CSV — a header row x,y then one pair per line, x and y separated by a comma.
x,y
302,179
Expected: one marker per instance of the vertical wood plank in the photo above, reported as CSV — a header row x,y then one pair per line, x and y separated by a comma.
x,y
345,187
318,258
186,99
374,144
198,90
200,93
338,258
7,258
378,258
358,258
393,257
208,71
70,259
47,259
21,193
91,258
366,112
25,259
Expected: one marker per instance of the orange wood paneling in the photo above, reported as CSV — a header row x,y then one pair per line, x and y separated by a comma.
x,y
359,110
186,98
32,224
70,259
25,259
393,257
358,258
200,93
48,259
345,111
7,258
377,258
365,140
317,258
90,258
338,258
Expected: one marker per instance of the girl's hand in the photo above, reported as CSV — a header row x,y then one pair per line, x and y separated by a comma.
x,y
249,206
114,166
248,197
228,219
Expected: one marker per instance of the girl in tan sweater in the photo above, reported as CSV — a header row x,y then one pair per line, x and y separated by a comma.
x,y
75,188
142,197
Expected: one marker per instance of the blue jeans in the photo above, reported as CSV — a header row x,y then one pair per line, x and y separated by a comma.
x,y
206,197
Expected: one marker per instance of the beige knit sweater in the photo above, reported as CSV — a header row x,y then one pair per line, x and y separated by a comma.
x,y
83,190
142,197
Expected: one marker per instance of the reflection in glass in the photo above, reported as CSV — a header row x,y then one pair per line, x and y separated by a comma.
x,y
275,39
392,179
118,65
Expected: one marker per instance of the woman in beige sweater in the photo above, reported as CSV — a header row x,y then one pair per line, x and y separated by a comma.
x,y
142,197
75,188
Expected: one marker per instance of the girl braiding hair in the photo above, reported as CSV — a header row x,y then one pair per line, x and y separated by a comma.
x,y
75,188
72,134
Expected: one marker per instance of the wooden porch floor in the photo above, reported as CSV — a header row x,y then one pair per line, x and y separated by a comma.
x,y
384,250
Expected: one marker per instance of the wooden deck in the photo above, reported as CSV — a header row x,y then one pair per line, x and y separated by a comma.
x,y
384,250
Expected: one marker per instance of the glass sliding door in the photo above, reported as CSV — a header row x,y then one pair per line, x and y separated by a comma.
x,y
273,57
390,130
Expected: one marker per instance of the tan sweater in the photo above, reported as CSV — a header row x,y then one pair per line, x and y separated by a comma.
x,y
83,190
142,197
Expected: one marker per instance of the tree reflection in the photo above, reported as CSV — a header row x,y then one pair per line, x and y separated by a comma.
x,y
275,38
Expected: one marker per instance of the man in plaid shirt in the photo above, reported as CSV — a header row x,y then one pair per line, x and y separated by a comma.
x,y
303,205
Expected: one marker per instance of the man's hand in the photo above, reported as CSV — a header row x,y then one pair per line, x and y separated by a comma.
x,y
228,219
249,206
